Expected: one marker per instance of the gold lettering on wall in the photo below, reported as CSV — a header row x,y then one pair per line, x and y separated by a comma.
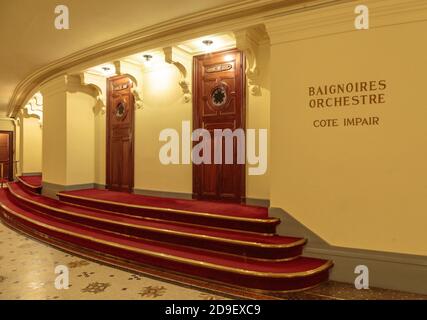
x,y
347,96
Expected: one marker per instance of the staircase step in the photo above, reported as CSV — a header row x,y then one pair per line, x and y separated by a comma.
x,y
296,274
214,214
253,246
31,183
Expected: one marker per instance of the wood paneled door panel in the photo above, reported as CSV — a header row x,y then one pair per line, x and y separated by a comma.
x,y
6,154
219,103
120,134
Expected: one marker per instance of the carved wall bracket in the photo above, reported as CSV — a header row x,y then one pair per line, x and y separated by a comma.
x,y
34,107
171,57
134,73
98,83
248,40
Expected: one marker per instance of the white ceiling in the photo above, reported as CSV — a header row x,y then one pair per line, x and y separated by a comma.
x,y
29,40
219,42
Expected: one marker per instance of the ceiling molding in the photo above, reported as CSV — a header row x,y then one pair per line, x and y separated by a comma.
x,y
340,19
164,34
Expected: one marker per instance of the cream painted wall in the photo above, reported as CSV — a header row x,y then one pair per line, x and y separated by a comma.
x,y
54,137
164,107
258,117
31,156
362,187
6,125
68,132
80,138
100,147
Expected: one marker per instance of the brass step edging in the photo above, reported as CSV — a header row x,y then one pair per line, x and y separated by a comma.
x,y
180,233
27,184
127,265
87,207
162,242
170,257
259,220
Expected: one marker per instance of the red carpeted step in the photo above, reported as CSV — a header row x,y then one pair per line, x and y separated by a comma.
x,y
288,275
215,214
233,242
31,183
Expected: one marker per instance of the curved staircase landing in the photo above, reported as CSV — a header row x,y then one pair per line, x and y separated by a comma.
x,y
231,256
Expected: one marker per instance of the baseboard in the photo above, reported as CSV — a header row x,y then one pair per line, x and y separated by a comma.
x,y
163,194
31,174
51,189
258,202
186,196
403,272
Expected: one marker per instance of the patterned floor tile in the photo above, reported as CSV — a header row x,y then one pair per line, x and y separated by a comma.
x,y
27,271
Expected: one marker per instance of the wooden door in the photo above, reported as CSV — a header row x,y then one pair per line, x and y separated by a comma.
x,y
6,154
219,103
120,134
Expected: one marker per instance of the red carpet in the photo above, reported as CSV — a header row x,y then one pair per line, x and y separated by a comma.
x,y
226,209
31,183
227,256
214,214
250,245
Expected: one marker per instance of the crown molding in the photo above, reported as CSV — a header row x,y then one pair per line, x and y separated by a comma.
x,y
231,17
340,18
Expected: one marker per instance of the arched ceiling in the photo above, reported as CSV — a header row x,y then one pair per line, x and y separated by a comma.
x,y
29,39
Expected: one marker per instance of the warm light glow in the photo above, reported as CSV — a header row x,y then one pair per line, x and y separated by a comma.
x,y
208,43
228,58
106,70
160,80
147,58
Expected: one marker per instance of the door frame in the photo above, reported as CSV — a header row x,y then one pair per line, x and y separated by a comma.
x,y
11,147
195,180
107,149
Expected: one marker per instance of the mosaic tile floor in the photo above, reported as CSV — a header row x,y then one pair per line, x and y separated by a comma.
x,y
27,271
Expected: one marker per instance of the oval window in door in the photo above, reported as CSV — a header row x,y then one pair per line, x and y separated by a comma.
x,y
120,110
219,96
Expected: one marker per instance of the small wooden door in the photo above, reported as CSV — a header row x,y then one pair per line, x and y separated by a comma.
x,y
120,134
6,154
219,103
